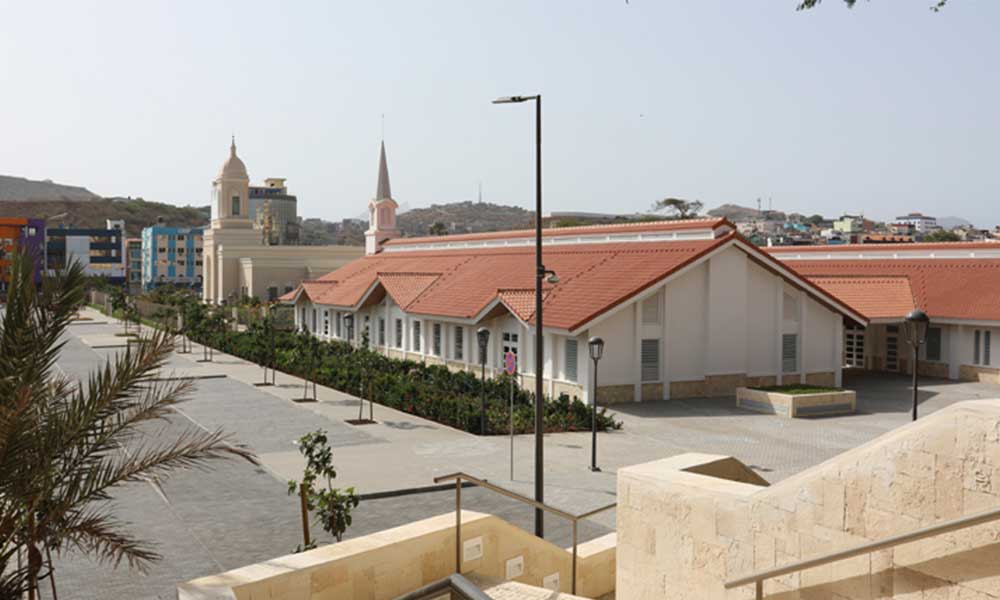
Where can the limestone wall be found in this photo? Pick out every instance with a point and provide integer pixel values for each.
(682, 534)
(390, 563)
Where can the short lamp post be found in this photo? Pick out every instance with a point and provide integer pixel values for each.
(596, 346)
(483, 335)
(349, 324)
(916, 335)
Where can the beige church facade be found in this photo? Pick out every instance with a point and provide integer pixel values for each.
(237, 262)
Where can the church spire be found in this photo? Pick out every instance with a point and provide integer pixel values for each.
(383, 190)
(232, 146)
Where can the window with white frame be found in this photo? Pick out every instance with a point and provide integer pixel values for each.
(570, 359)
(510, 344)
(789, 353)
(314, 320)
(649, 358)
(459, 343)
(651, 310)
(381, 331)
(436, 339)
(338, 324)
(854, 347)
(399, 334)
(981, 351)
(415, 346)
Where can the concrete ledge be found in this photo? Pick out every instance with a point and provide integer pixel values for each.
(797, 405)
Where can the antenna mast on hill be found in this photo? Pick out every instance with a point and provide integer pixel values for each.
(480, 191)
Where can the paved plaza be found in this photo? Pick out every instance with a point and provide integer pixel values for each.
(236, 513)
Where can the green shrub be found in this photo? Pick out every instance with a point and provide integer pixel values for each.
(430, 391)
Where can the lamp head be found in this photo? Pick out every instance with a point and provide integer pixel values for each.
(596, 346)
(510, 99)
(916, 326)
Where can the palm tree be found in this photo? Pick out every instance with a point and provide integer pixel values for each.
(66, 445)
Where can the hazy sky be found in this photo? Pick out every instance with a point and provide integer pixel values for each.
(885, 108)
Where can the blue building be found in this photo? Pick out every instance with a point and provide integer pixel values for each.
(171, 255)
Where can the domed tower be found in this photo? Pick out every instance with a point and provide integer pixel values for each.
(230, 194)
(381, 211)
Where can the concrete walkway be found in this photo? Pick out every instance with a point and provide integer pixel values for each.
(236, 514)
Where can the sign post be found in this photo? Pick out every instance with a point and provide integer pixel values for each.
(510, 367)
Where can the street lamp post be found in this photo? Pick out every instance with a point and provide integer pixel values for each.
(483, 335)
(539, 343)
(916, 334)
(596, 346)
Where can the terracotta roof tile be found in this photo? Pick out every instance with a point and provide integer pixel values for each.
(944, 288)
(874, 297)
(406, 287)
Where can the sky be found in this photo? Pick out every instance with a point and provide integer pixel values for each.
(883, 109)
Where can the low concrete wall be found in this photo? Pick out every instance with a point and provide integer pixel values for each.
(797, 405)
(977, 373)
(390, 563)
(683, 533)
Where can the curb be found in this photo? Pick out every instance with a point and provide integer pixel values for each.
(214, 376)
(413, 490)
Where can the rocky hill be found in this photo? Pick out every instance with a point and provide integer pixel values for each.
(737, 213)
(19, 189)
(437, 219)
(464, 217)
(136, 212)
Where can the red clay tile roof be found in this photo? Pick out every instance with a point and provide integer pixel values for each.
(406, 287)
(615, 228)
(944, 288)
(825, 248)
(874, 297)
(463, 283)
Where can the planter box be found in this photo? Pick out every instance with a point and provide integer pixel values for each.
(841, 402)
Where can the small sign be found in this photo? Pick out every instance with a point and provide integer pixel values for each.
(510, 363)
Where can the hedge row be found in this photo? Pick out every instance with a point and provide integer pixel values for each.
(430, 391)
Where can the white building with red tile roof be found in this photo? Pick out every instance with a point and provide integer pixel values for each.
(956, 283)
(686, 308)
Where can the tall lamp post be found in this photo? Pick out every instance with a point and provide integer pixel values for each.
(539, 343)
(483, 335)
(916, 334)
(596, 346)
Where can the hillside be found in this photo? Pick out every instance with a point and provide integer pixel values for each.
(19, 189)
(136, 212)
(737, 213)
(465, 217)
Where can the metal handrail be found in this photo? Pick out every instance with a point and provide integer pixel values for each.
(458, 586)
(573, 519)
(889, 542)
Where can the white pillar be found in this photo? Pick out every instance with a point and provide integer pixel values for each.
(838, 350)
(801, 353)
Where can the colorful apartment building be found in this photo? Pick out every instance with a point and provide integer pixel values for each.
(100, 251)
(171, 255)
(133, 264)
(17, 232)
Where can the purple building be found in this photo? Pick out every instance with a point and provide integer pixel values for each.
(20, 232)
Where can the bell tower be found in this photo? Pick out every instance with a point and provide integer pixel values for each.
(231, 194)
(381, 211)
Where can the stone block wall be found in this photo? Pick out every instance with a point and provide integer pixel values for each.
(977, 373)
(682, 533)
(390, 563)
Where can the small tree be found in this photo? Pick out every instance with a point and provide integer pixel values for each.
(438, 228)
(679, 209)
(119, 303)
(332, 506)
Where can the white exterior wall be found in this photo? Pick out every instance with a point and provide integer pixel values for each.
(617, 366)
(817, 344)
(686, 325)
(762, 324)
(727, 316)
